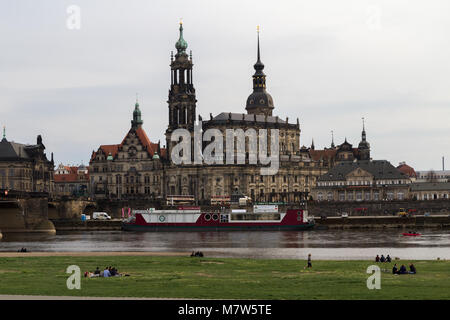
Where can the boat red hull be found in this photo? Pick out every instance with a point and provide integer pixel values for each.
(292, 220)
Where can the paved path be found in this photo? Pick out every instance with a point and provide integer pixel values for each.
(29, 297)
(92, 254)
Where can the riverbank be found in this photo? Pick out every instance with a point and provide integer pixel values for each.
(220, 278)
(380, 222)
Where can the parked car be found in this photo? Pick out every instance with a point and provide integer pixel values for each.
(101, 216)
(344, 215)
(402, 213)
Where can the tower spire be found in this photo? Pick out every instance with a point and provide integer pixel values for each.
(332, 139)
(257, 31)
(4, 132)
(259, 102)
(363, 133)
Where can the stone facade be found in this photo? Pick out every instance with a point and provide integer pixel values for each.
(363, 180)
(430, 190)
(140, 169)
(25, 168)
(72, 181)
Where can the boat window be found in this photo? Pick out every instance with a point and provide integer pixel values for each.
(215, 217)
(223, 218)
(207, 217)
(255, 216)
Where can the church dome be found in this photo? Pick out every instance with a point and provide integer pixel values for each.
(259, 99)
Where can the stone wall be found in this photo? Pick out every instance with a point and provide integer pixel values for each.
(25, 215)
(377, 208)
(69, 209)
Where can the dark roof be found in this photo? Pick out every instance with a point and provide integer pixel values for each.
(14, 150)
(224, 116)
(380, 169)
(430, 186)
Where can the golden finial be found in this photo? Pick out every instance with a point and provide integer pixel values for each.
(257, 28)
(181, 20)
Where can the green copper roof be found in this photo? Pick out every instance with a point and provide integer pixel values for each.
(181, 44)
(110, 157)
(156, 156)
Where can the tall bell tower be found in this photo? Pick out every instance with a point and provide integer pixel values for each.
(182, 93)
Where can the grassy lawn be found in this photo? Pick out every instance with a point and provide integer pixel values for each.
(222, 278)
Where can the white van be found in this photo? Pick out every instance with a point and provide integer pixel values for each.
(101, 216)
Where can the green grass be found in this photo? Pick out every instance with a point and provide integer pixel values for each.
(222, 278)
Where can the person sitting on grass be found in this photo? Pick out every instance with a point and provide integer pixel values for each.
(382, 259)
(395, 269)
(377, 259)
(97, 271)
(402, 269)
(412, 269)
(106, 273)
(113, 272)
(388, 259)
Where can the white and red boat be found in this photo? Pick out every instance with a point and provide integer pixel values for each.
(194, 219)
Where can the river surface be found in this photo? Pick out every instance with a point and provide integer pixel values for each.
(322, 244)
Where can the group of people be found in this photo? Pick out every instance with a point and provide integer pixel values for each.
(106, 273)
(197, 254)
(395, 269)
(383, 259)
(402, 270)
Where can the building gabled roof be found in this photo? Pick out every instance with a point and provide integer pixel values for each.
(380, 169)
(114, 148)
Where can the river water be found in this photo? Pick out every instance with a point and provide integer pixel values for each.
(322, 244)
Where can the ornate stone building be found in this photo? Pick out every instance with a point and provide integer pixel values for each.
(131, 169)
(72, 181)
(138, 168)
(25, 168)
(362, 180)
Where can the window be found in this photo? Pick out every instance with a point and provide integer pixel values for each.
(367, 196)
(400, 195)
(319, 196)
(330, 196)
(350, 196)
(390, 195)
(341, 196)
(359, 196)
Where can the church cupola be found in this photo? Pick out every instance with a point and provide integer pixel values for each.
(181, 45)
(259, 102)
(364, 146)
(137, 121)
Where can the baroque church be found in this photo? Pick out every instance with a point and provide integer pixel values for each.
(140, 169)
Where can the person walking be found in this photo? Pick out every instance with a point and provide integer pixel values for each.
(309, 262)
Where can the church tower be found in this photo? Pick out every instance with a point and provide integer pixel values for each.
(182, 93)
(137, 120)
(259, 102)
(364, 146)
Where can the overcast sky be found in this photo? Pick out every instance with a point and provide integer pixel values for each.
(329, 63)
